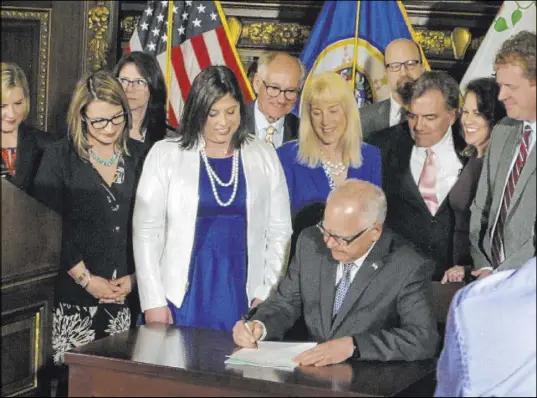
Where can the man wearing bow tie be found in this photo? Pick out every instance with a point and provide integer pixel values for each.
(364, 293)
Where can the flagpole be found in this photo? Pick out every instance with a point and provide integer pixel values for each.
(222, 16)
(169, 55)
(355, 54)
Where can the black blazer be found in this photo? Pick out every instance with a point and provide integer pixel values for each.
(291, 123)
(407, 213)
(31, 143)
(93, 232)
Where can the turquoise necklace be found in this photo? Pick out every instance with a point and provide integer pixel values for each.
(106, 163)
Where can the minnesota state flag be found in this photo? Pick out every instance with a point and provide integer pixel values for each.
(368, 26)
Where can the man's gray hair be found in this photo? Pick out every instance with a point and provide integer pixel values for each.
(266, 57)
(374, 211)
(428, 81)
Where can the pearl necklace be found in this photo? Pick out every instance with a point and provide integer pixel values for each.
(332, 169)
(213, 177)
(335, 168)
(105, 163)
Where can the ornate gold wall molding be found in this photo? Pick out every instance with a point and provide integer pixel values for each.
(98, 20)
(454, 43)
(275, 34)
(42, 16)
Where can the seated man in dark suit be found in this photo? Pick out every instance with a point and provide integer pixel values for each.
(403, 63)
(277, 84)
(421, 164)
(364, 293)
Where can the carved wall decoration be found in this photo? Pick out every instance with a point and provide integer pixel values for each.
(446, 43)
(98, 19)
(38, 67)
(275, 35)
(127, 26)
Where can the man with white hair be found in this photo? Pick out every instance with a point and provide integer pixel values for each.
(277, 84)
(364, 293)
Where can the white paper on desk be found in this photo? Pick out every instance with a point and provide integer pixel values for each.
(270, 354)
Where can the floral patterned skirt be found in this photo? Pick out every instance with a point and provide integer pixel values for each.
(74, 326)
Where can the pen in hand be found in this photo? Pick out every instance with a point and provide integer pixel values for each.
(245, 320)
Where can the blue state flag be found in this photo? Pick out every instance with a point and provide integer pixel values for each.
(367, 25)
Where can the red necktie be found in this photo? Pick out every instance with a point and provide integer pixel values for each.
(427, 182)
(498, 255)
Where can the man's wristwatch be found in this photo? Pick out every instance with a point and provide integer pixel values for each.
(356, 351)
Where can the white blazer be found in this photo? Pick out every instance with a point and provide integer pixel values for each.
(165, 214)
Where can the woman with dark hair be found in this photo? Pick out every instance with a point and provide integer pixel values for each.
(480, 113)
(211, 221)
(141, 77)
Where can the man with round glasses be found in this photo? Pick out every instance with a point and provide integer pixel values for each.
(364, 292)
(277, 84)
(403, 63)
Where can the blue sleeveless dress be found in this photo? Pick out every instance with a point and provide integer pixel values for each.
(216, 296)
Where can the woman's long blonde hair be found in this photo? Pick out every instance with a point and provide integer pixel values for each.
(101, 86)
(330, 87)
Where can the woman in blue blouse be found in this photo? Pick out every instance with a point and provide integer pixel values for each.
(330, 148)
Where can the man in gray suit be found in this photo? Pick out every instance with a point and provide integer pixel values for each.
(364, 293)
(503, 212)
(403, 63)
(277, 84)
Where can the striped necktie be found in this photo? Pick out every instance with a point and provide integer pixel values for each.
(270, 133)
(342, 288)
(427, 182)
(498, 254)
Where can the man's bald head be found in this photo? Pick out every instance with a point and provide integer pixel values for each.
(355, 212)
(398, 52)
(357, 201)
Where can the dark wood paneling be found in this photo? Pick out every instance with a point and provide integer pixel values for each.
(30, 260)
(66, 51)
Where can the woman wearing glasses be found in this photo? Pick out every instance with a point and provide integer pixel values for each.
(89, 178)
(141, 77)
(211, 221)
(329, 149)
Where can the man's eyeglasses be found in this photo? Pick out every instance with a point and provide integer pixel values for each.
(340, 240)
(137, 84)
(409, 65)
(101, 123)
(290, 94)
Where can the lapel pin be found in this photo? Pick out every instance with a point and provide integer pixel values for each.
(375, 266)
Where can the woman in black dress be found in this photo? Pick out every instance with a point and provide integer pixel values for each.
(90, 178)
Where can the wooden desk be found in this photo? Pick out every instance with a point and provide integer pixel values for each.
(162, 360)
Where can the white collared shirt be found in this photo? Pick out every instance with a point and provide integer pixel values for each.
(517, 151)
(261, 125)
(355, 267)
(448, 165)
(395, 112)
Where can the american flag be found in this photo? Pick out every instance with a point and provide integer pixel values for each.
(198, 40)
